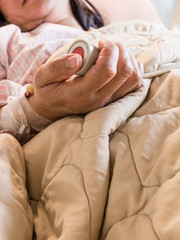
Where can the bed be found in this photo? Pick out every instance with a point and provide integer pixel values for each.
(114, 173)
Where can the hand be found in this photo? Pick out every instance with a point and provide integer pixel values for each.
(59, 93)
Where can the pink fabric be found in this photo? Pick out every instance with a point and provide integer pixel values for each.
(22, 53)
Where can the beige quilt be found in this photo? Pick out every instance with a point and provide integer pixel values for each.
(114, 174)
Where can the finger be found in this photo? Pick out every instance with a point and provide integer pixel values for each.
(130, 78)
(132, 84)
(141, 67)
(124, 70)
(138, 66)
(104, 69)
(58, 70)
(134, 61)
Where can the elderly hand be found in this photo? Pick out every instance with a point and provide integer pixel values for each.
(59, 93)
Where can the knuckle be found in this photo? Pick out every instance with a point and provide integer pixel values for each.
(125, 72)
(110, 45)
(128, 71)
(126, 64)
(138, 81)
(137, 75)
(109, 72)
(112, 48)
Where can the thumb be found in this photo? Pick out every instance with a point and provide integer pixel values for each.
(58, 70)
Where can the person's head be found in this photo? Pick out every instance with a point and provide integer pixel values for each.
(28, 14)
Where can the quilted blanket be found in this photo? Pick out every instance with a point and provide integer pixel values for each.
(114, 174)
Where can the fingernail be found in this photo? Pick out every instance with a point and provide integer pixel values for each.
(73, 61)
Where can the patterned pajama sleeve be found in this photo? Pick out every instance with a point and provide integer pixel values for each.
(22, 53)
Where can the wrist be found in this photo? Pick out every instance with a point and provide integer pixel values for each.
(52, 112)
(35, 120)
(39, 108)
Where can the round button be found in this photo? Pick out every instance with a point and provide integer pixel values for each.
(79, 50)
(88, 52)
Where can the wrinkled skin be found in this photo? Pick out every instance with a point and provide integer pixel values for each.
(60, 93)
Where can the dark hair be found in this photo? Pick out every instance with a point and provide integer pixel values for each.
(86, 14)
(2, 20)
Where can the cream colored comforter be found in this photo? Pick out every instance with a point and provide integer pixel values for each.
(115, 173)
